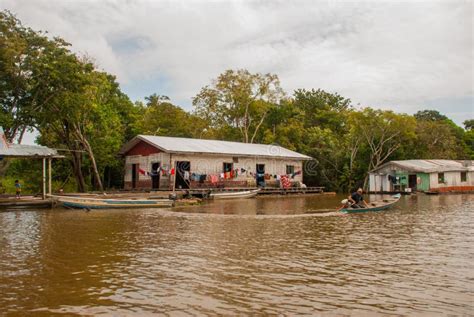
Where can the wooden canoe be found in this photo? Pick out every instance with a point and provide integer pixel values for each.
(98, 203)
(377, 205)
(235, 195)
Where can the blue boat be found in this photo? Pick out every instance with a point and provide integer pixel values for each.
(377, 205)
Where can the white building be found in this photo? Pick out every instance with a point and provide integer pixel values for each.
(158, 162)
(423, 175)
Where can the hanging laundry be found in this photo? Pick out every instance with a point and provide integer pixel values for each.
(172, 171)
(214, 179)
(143, 172)
(221, 175)
(285, 181)
(186, 175)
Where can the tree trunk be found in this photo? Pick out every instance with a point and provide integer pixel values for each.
(89, 151)
(76, 165)
(88, 148)
(4, 164)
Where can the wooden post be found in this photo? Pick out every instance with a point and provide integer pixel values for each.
(173, 177)
(44, 178)
(49, 177)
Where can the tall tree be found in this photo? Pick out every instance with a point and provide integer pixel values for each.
(22, 52)
(161, 117)
(322, 109)
(383, 133)
(239, 99)
(430, 115)
(469, 124)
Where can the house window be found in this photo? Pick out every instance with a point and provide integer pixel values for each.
(463, 177)
(228, 167)
(440, 178)
(290, 169)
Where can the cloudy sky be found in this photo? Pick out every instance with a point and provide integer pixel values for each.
(404, 56)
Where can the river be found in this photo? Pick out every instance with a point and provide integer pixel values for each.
(263, 256)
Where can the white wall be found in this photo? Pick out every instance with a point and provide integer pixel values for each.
(211, 164)
(451, 179)
(379, 183)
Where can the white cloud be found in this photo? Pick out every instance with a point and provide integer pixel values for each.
(395, 55)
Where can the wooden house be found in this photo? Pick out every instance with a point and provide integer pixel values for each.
(158, 162)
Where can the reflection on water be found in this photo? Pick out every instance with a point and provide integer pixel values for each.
(263, 259)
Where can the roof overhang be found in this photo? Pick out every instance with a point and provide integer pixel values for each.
(415, 169)
(133, 142)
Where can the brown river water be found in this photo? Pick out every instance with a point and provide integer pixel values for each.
(263, 256)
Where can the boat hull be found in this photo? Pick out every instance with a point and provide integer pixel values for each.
(394, 199)
(235, 195)
(94, 203)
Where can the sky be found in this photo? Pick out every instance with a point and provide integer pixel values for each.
(403, 56)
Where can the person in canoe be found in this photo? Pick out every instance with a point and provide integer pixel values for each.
(357, 200)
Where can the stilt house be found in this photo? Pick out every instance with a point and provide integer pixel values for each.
(423, 175)
(158, 162)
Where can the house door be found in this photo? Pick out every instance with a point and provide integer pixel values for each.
(412, 181)
(134, 175)
(155, 175)
(182, 169)
(260, 169)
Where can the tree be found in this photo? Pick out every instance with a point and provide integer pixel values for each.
(16, 54)
(430, 115)
(436, 140)
(383, 132)
(89, 119)
(161, 117)
(469, 124)
(240, 100)
(322, 109)
(468, 138)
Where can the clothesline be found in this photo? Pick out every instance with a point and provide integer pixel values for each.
(214, 177)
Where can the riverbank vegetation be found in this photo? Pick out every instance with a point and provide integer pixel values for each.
(81, 110)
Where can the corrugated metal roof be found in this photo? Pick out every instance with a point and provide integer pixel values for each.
(188, 145)
(20, 150)
(432, 166)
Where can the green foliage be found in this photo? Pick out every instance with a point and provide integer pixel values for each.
(161, 117)
(240, 100)
(429, 115)
(29, 173)
(469, 124)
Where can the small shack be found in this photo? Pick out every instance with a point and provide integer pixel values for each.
(423, 175)
(158, 162)
(9, 150)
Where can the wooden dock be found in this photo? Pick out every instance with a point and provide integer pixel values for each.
(203, 192)
(24, 203)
